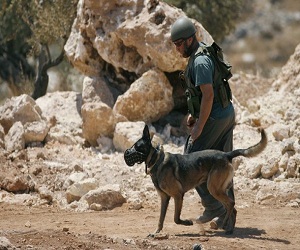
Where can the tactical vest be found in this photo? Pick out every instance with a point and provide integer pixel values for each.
(222, 74)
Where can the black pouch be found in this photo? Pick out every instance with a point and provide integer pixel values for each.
(193, 103)
(223, 96)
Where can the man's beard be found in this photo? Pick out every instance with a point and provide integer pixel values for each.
(188, 50)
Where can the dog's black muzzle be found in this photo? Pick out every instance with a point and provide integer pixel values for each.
(131, 156)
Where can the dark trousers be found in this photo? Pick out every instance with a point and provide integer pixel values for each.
(216, 134)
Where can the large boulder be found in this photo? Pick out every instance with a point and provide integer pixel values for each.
(104, 46)
(95, 89)
(130, 35)
(148, 98)
(98, 120)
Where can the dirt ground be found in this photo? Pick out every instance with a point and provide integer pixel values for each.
(46, 227)
(272, 224)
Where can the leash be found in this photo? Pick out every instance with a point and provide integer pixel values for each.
(187, 146)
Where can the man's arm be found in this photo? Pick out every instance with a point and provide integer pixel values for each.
(205, 109)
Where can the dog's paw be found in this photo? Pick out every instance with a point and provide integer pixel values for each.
(150, 235)
(158, 236)
(161, 236)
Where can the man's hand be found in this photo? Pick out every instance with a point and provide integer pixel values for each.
(190, 121)
(193, 127)
(196, 131)
(205, 109)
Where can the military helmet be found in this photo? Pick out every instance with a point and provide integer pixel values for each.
(183, 28)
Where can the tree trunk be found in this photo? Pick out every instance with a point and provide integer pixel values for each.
(41, 82)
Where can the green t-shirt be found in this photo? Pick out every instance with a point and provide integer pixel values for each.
(202, 72)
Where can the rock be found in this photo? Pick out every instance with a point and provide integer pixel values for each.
(78, 189)
(32, 125)
(287, 146)
(95, 89)
(35, 131)
(270, 168)
(15, 140)
(65, 109)
(45, 193)
(74, 178)
(105, 144)
(17, 184)
(5, 244)
(283, 161)
(147, 99)
(108, 197)
(115, 41)
(98, 120)
(2, 144)
(96, 207)
(293, 167)
(19, 109)
(281, 132)
(126, 134)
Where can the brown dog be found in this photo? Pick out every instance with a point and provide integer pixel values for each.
(175, 174)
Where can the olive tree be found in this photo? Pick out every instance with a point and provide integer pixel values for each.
(14, 68)
(39, 24)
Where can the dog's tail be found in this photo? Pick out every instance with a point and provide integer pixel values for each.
(251, 151)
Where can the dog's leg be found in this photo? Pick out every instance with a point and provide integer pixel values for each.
(164, 203)
(217, 184)
(178, 200)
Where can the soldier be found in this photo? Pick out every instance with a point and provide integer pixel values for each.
(211, 117)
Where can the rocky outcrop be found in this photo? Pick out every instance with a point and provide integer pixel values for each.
(279, 111)
(130, 35)
(148, 99)
(105, 34)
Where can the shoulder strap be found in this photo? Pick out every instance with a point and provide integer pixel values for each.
(202, 50)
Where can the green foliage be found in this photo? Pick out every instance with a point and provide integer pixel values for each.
(218, 17)
(49, 20)
(17, 35)
(32, 26)
(36, 22)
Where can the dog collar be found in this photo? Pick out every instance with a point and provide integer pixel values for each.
(152, 159)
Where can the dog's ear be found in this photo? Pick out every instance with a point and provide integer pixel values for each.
(146, 133)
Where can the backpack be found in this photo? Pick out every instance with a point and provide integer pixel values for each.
(220, 80)
(216, 54)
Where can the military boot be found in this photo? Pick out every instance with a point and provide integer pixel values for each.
(213, 208)
(217, 222)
